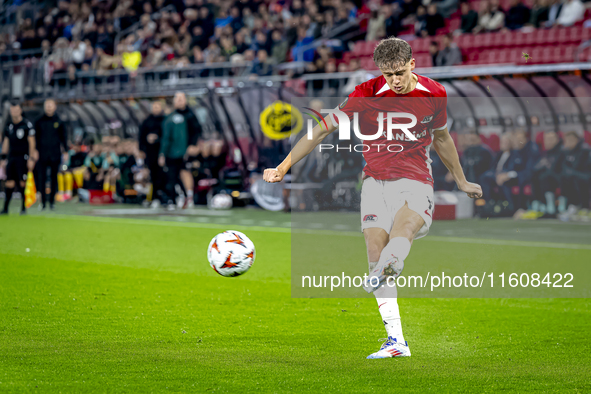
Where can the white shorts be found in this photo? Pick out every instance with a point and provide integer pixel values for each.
(381, 200)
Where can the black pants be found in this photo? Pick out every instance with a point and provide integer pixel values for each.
(172, 170)
(42, 166)
(542, 182)
(157, 178)
(576, 189)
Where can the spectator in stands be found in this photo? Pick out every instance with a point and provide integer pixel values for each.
(469, 18)
(572, 12)
(433, 20)
(450, 55)
(517, 15)
(376, 27)
(476, 159)
(421, 22)
(434, 52)
(394, 21)
(279, 47)
(262, 66)
(545, 176)
(575, 172)
(409, 7)
(539, 13)
(554, 11)
(298, 53)
(447, 7)
(490, 18)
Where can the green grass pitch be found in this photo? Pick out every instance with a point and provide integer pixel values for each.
(125, 305)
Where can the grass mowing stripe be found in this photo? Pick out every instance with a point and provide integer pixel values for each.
(481, 241)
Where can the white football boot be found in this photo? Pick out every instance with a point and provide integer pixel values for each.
(390, 349)
(392, 267)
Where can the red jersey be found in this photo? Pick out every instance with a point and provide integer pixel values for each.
(378, 108)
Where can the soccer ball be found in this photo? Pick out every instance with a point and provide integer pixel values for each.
(231, 253)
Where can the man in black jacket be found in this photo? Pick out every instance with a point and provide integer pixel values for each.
(51, 142)
(575, 172)
(149, 143)
(545, 177)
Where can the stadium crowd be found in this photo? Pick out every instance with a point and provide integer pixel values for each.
(107, 35)
(546, 177)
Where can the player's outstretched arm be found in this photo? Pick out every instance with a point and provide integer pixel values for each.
(444, 145)
(299, 151)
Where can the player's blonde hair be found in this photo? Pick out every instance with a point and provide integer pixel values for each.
(392, 53)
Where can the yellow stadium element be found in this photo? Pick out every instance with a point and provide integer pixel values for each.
(131, 60)
(79, 177)
(281, 120)
(30, 191)
(60, 182)
(69, 184)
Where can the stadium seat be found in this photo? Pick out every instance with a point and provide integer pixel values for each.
(420, 45)
(494, 142)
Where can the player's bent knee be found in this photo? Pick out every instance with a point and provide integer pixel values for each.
(10, 184)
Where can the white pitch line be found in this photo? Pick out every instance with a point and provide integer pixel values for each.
(284, 230)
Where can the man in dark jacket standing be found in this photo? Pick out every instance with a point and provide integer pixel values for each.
(51, 142)
(149, 143)
(180, 131)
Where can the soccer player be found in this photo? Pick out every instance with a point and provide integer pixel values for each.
(19, 148)
(397, 192)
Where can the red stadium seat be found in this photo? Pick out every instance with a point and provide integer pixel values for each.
(420, 45)
(494, 142)
(588, 137)
(540, 140)
(454, 24)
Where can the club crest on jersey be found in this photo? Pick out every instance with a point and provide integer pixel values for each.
(427, 119)
(370, 218)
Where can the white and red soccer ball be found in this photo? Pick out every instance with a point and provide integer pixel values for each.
(231, 253)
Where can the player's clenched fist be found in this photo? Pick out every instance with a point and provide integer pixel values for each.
(272, 175)
(473, 190)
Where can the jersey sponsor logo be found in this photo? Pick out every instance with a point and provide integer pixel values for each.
(370, 218)
(427, 119)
